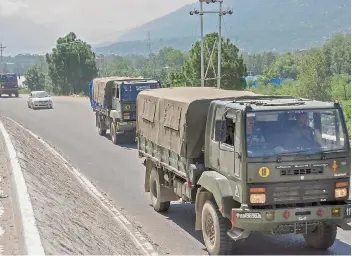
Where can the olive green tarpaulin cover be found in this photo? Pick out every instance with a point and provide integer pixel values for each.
(175, 118)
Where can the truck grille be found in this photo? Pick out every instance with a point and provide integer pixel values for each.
(303, 192)
(302, 171)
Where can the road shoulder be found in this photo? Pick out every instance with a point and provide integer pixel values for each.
(8, 230)
(69, 219)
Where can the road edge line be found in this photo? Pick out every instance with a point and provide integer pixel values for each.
(140, 241)
(29, 239)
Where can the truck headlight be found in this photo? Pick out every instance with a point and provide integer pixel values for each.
(257, 195)
(340, 192)
(257, 198)
(341, 189)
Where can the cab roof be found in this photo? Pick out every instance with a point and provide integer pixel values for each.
(264, 102)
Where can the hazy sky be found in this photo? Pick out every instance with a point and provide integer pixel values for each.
(82, 16)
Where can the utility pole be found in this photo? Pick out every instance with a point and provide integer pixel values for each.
(149, 45)
(221, 13)
(2, 48)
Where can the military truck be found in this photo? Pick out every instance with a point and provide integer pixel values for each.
(9, 84)
(248, 162)
(115, 105)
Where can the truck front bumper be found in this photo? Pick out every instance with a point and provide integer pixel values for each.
(126, 127)
(291, 220)
(8, 91)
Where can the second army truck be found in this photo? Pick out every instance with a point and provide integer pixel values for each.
(114, 101)
(249, 163)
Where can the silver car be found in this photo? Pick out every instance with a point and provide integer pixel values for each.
(39, 99)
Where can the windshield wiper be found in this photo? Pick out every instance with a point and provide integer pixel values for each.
(296, 153)
(326, 152)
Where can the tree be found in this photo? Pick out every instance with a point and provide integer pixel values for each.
(314, 80)
(35, 80)
(233, 68)
(258, 62)
(71, 65)
(283, 67)
(337, 53)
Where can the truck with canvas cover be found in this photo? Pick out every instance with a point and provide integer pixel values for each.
(249, 163)
(9, 84)
(114, 101)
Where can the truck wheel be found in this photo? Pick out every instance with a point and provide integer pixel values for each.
(113, 132)
(214, 229)
(101, 132)
(154, 185)
(16, 94)
(323, 237)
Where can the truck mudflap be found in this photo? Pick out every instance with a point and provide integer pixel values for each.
(291, 220)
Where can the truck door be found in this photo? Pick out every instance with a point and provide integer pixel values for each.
(115, 97)
(227, 155)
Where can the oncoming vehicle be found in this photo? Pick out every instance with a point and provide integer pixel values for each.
(114, 101)
(9, 84)
(248, 162)
(39, 99)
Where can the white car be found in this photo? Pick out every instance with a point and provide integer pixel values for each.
(39, 99)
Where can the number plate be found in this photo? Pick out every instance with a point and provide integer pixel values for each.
(249, 215)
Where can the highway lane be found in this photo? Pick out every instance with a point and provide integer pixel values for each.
(118, 172)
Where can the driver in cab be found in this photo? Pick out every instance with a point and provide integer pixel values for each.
(302, 133)
(254, 136)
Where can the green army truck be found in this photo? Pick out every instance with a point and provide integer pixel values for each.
(114, 101)
(248, 162)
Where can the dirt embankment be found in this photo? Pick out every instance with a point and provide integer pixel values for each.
(69, 219)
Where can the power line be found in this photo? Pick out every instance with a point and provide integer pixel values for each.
(221, 13)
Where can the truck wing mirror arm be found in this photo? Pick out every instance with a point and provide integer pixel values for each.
(238, 155)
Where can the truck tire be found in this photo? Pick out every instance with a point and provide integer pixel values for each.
(16, 94)
(113, 132)
(323, 237)
(154, 185)
(214, 229)
(101, 132)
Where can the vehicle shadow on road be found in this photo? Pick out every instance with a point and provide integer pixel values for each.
(256, 244)
(127, 146)
(10, 97)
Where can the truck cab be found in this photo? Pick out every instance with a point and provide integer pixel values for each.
(278, 165)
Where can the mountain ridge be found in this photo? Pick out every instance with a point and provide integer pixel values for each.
(283, 25)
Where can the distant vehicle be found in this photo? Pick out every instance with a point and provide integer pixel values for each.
(39, 99)
(9, 84)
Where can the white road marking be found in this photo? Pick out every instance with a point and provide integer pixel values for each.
(32, 242)
(140, 241)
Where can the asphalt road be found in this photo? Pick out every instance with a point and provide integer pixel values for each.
(118, 172)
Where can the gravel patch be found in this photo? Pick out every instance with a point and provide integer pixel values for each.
(8, 234)
(69, 219)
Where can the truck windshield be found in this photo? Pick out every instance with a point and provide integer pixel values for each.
(8, 78)
(129, 92)
(272, 133)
